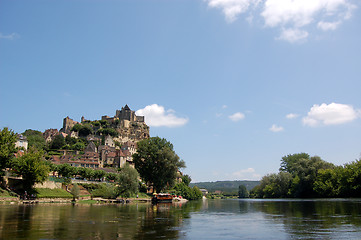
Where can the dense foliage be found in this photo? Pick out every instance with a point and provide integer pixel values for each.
(105, 190)
(243, 192)
(183, 189)
(35, 139)
(187, 192)
(157, 162)
(128, 182)
(303, 176)
(31, 167)
(7, 148)
(342, 181)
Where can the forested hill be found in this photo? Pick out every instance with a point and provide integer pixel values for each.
(225, 186)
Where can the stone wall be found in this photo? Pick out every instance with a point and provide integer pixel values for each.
(48, 184)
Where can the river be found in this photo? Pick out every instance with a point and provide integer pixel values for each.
(208, 219)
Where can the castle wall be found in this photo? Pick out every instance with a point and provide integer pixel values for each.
(68, 124)
(140, 118)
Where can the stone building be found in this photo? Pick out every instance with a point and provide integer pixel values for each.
(21, 142)
(68, 124)
(109, 141)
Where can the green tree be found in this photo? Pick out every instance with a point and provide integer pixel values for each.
(90, 173)
(328, 182)
(186, 179)
(78, 146)
(128, 182)
(75, 191)
(288, 162)
(99, 174)
(108, 131)
(305, 173)
(76, 127)
(105, 191)
(7, 148)
(70, 140)
(32, 168)
(157, 162)
(66, 171)
(82, 172)
(35, 139)
(304, 170)
(243, 192)
(58, 142)
(187, 192)
(104, 123)
(197, 193)
(111, 177)
(85, 130)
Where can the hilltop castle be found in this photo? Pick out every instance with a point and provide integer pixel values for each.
(129, 126)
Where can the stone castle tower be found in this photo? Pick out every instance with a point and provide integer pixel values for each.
(127, 114)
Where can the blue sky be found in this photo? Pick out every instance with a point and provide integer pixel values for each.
(233, 84)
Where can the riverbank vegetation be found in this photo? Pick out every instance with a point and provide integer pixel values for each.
(183, 189)
(303, 176)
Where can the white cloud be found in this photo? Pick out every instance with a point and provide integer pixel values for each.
(232, 8)
(156, 116)
(291, 116)
(293, 35)
(246, 174)
(293, 17)
(330, 114)
(326, 26)
(10, 36)
(276, 128)
(237, 116)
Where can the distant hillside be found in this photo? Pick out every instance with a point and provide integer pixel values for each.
(225, 186)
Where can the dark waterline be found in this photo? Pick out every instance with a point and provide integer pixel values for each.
(209, 219)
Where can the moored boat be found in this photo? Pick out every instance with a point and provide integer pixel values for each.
(162, 198)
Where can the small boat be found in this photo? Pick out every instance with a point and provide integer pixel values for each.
(162, 198)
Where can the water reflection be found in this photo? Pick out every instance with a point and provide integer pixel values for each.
(317, 218)
(212, 219)
(131, 221)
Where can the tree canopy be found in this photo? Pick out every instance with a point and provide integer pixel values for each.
(31, 167)
(35, 139)
(243, 192)
(128, 182)
(7, 148)
(58, 142)
(157, 162)
(297, 176)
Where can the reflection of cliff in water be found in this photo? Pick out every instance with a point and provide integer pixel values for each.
(312, 217)
(64, 221)
(52, 221)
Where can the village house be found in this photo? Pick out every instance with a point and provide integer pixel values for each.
(21, 142)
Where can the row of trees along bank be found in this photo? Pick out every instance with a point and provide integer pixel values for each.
(302, 176)
(156, 163)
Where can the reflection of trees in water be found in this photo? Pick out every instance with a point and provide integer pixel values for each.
(165, 219)
(15, 217)
(309, 217)
(64, 221)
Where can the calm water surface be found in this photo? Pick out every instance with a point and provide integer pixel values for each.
(209, 219)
